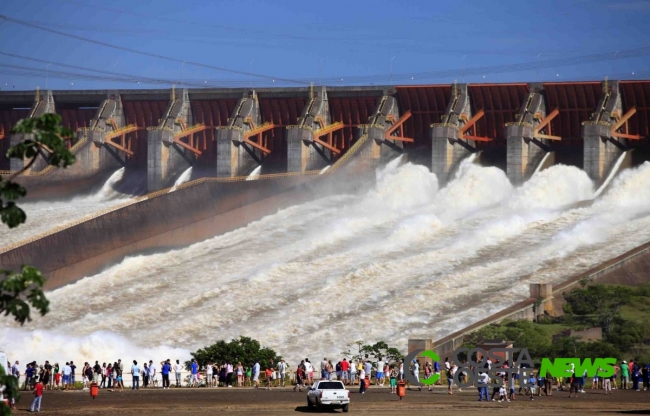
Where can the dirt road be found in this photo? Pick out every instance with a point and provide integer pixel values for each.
(376, 401)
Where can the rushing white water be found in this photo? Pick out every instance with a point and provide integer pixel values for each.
(405, 259)
(541, 162)
(612, 174)
(185, 176)
(324, 169)
(255, 174)
(45, 215)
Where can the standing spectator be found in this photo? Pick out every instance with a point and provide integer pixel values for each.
(323, 369)
(97, 372)
(379, 378)
(229, 371)
(269, 377)
(135, 372)
(177, 372)
(67, 370)
(300, 374)
(436, 370)
(282, 368)
(102, 385)
(353, 372)
(624, 374)
(109, 375)
(362, 380)
(57, 376)
(38, 396)
(194, 370)
(345, 371)
(47, 375)
(73, 378)
(119, 382)
(29, 375)
(256, 374)
(645, 372)
(330, 370)
(145, 375)
(209, 371)
(607, 384)
(393, 380)
(166, 369)
(427, 372)
(240, 375)
(309, 370)
(636, 375)
(338, 370)
(483, 380)
(416, 371)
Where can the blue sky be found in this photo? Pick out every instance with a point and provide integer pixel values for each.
(316, 41)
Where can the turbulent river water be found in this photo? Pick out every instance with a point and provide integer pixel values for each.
(405, 259)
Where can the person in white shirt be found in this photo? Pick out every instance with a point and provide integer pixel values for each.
(400, 374)
(353, 372)
(362, 380)
(256, 374)
(282, 368)
(309, 369)
(152, 374)
(177, 371)
(380, 373)
(135, 372)
(67, 371)
(208, 374)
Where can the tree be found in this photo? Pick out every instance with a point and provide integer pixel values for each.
(359, 351)
(244, 350)
(19, 290)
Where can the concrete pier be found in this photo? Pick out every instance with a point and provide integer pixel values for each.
(602, 147)
(237, 154)
(526, 145)
(43, 104)
(449, 147)
(305, 151)
(167, 157)
(387, 115)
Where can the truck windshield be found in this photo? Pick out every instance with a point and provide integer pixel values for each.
(330, 385)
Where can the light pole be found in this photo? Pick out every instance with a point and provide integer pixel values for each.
(46, 66)
(250, 73)
(538, 55)
(390, 71)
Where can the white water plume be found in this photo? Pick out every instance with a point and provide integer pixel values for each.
(404, 259)
(612, 174)
(185, 176)
(45, 215)
(255, 174)
(324, 169)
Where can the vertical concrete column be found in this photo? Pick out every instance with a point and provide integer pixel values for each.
(544, 292)
(447, 149)
(601, 150)
(382, 149)
(303, 153)
(165, 158)
(235, 157)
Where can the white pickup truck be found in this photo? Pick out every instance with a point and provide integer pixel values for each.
(329, 394)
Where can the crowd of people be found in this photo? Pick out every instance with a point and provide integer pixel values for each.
(361, 372)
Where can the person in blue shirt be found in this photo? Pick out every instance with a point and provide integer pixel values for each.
(531, 386)
(166, 369)
(194, 369)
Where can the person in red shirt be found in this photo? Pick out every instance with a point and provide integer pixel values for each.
(38, 395)
(345, 366)
(269, 377)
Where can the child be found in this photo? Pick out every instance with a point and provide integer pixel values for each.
(269, 378)
(531, 388)
(502, 393)
(38, 395)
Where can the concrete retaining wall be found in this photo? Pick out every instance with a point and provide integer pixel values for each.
(632, 267)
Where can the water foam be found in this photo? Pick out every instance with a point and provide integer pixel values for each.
(413, 260)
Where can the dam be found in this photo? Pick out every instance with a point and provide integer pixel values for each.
(393, 211)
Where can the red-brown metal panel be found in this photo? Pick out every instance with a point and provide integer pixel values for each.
(500, 104)
(637, 94)
(351, 111)
(576, 102)
(8, 119)
(76, 118)
(427, 105)
(143, 114)
(282, 112)
(211, 113)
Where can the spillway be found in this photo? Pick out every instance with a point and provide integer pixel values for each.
(45, 215)
(404, 259)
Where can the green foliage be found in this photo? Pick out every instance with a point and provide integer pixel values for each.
(45, 136)
(596, 299)
(359, 351)
(245, 350)
(11, 390)
(19, 290)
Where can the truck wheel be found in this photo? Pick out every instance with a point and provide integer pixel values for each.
(310, 405)
(346, 408)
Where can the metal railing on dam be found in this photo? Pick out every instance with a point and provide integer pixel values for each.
(167, 219)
